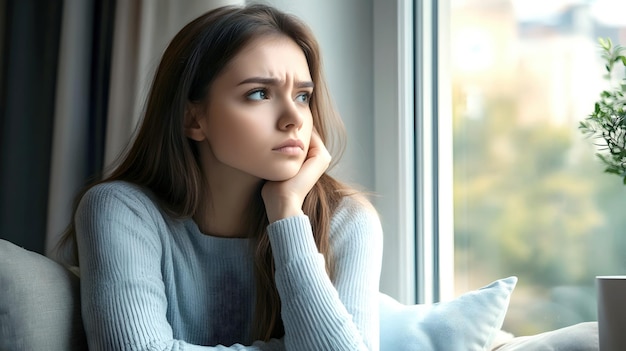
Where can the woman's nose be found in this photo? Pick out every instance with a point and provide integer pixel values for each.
(290, 116)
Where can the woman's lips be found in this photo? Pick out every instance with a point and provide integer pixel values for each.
(290, 147)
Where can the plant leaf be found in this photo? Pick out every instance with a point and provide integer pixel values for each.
(607, 123)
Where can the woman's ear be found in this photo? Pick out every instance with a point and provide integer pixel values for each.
(192, 124)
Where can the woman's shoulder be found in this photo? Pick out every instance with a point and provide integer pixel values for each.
(355, 213)
(118, 194)
(355, 204)
(118, 189)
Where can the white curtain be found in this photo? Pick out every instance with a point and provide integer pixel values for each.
(143, 28)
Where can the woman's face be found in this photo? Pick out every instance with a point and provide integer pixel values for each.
(258, 119)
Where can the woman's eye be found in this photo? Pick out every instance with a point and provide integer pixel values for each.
(303, 98)
(257, 95)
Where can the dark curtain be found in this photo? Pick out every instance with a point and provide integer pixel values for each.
(30, 37)
(104, 14)
(30, 50)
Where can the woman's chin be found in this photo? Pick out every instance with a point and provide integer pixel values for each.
(282, 175)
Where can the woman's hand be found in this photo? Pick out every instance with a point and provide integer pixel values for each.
(285, 198)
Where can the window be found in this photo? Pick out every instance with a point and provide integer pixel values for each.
(530, 198)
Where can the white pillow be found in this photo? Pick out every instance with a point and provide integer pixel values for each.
(467, 323)
(578, 337)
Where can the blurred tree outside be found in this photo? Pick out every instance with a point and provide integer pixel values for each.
(530, 197)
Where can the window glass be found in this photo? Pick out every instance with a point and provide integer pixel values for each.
(530, 196)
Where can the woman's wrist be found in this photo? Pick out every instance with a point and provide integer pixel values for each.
(278, 214)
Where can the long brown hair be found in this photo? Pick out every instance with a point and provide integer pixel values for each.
(164, 161)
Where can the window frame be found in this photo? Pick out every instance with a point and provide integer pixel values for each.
(433, 149)
(414, 173)
(394, 139)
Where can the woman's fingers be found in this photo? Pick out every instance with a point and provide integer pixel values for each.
(285, 198)
(317, 161)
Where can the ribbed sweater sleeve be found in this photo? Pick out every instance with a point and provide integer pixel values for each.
(320, 314)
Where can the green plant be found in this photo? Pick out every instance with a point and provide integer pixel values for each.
(607, 123)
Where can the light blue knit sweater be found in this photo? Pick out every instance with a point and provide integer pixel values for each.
(151, 282)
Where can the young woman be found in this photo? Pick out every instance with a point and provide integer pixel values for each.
(220, 228)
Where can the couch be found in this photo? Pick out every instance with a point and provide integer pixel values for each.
(40, 310)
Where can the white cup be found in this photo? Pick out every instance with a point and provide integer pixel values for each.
(611, 312)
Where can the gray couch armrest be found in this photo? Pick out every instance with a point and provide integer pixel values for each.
(39, 303)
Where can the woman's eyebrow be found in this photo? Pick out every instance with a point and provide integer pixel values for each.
(276, 82)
